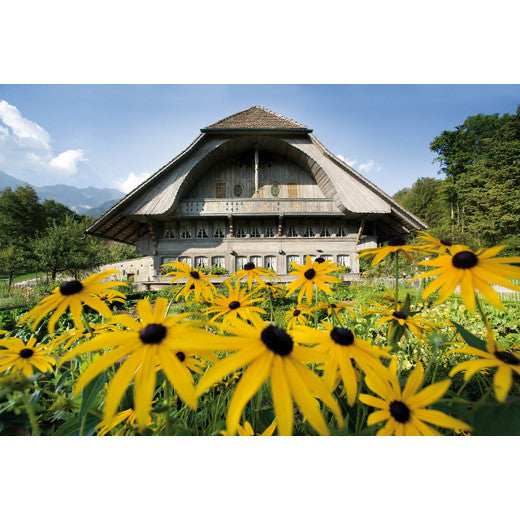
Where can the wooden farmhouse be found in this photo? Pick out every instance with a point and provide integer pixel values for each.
(255, 186)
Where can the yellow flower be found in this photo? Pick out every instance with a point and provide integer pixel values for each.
(495, 356)
(144, 346)
(126, 415)
(237, 304)
(471, 271)
(342, 348)
(297, 315)
(197, 283)
(309, 275)
(408, 322)
(336, 308)
(273, 290)
(74, 294)
(429, 244)
(247, 430)
(271, 353)
(405, 410)
(23, 357)
(253, 273)
(3, 331)
(394, 245)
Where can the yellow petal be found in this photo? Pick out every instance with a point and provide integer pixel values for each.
(441, 419)
(502, 382)
(282, 400)
(429, 395)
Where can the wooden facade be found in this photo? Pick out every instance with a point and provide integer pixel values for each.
(258, 187)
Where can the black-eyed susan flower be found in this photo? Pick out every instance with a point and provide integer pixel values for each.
(197, 283)
(309, 275)
(237, 304)
(429, 244)
(253, 273)
(402, 321)
(247, 430)
(73, 295)
(298, 315)
(271, 289)
(394, 245)
(145, 345)
(506, 362)
(336, 309)
(404, 410)
(471, 271)
(23, 357)
(342, 348)
(269, 352)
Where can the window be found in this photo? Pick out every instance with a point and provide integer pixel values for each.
(218, 230)
(238, 190)
(292, 189)
(341, 232)
(241, 232)
(270, 262)
(255, 233)
(309, 232)
(185, 231)
(202, 230)
(344, 260)
(186, 259)
(218, 261)
(292, 258)
(240, 262)
(168, 259)
(291, 231)
(169, 233)
(275, 189)
(201, 261)
(257, 260)
(269, 232)
(220, 190)
(327, 257)
(324, 231)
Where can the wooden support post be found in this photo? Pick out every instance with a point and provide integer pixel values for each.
(360, 232)
(280, 223)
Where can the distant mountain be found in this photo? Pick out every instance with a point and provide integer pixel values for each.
(89, 201)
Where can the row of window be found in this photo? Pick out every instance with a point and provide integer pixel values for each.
(220, 229)
(268, 261)
(239, 189)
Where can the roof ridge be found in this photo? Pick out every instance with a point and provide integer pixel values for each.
(256, 117)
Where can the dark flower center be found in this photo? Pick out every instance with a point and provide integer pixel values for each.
(234, 305)
(195, 274)
(70, 288)
(319, 260)
(333, 305)
(309, 274)
(26, 353)
(446, 243)
(396, 241)
(399, 314)
(507, 357)
(343, 337)
(181, 356)
(296, 312)
(277, 340)
(249, 266)
(464, 260)
(399, 411)
(153, 333)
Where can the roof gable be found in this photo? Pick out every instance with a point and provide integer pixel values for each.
(256, 118)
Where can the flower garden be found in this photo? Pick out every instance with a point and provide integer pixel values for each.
(255, 357)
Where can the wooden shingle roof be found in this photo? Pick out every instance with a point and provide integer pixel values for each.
(256, 118)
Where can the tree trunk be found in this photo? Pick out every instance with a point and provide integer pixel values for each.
(9, 285)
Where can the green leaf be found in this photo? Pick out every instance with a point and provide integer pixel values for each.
(469, 338)
(73, 425)
(497, 419)
(90, 392)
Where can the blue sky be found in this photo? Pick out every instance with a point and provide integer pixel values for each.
(116, 135)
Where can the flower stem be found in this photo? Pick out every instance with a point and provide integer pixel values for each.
(168, 395)
(30, 413)
(396, 280)
(481, 310)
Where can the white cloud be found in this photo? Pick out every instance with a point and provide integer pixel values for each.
(21, 127)
(26, 151)
(131, 181)
(369, 166)
(350, 162)
(66, 163)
